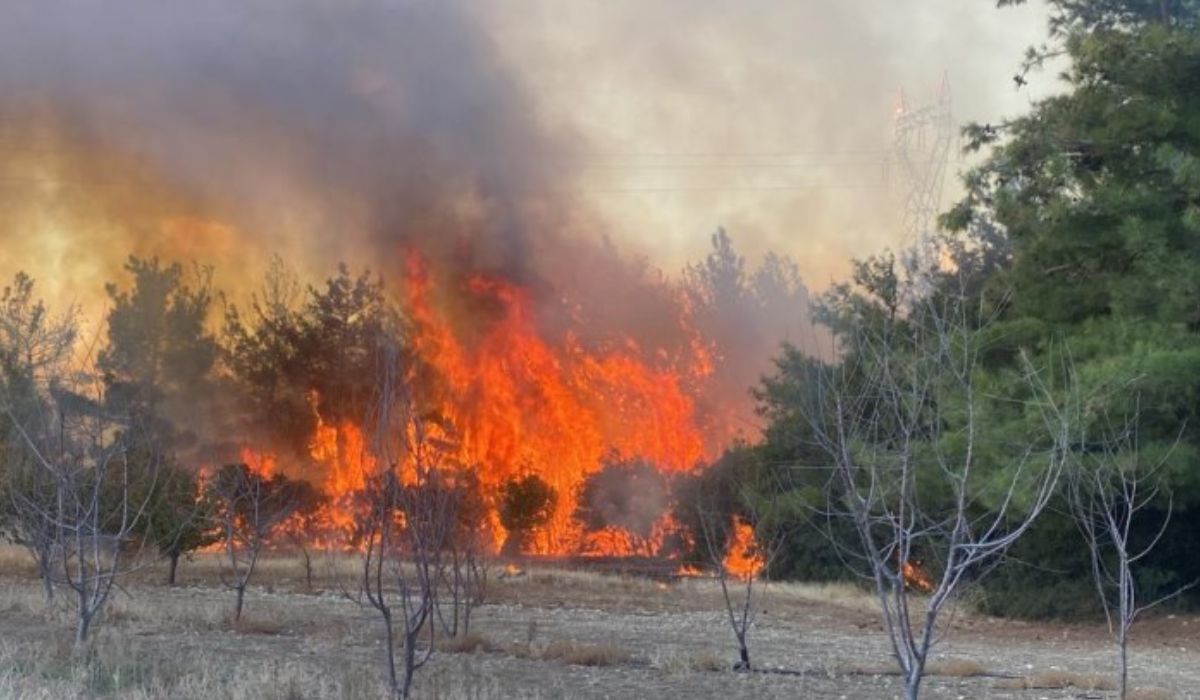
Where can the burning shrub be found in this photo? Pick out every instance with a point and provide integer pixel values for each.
(526, 503)
(708, 501)
(631, 495)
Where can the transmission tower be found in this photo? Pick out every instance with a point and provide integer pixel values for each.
(920, 151)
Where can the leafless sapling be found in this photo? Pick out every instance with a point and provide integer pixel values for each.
(1114, 489)
(408, 523)
(35, 353)
(900, 418)
(739, 553)
(250, 507)
(86, 454)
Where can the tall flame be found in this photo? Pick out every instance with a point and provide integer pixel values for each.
(520, 404)
(743, 559)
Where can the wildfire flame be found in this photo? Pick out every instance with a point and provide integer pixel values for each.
(518, 401)
(915, 577)
(521, 403)
(743, 559)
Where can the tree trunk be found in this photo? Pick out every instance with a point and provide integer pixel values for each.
(47, 584)
(81, 630)
(744, 664)
(912, 684)
(389, 643)
(1124, 669)
(307, 569)
(174, 565)
(241, 597)
(410, 662)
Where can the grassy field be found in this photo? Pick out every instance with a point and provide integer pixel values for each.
(545, 633)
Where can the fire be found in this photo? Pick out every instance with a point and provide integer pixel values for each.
(521, 402)
(743, 559)
(511, 398)
(915, 577)
(342, 451)
(264, 464)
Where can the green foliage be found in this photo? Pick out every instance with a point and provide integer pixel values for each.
(526, 503)
(1047, 575)
(159, 362)
(179, 518)
(296, 348)
(1098, 191)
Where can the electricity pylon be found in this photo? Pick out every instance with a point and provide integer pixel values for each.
(920, 151)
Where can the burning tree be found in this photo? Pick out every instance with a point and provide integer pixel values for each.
(526, 504)
(627, 497)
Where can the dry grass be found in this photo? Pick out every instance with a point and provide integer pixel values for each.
(16, 560)
(21, 598)
(945, 668)
(956, 668)
(841, 594)
(703, 661)
(159, 642)
(469, 643)
(256, 624)
(586, 654)
(1150, 694)
(116, 666)
(1057, 679)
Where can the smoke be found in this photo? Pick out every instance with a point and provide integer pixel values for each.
(517, 139)
(326, 130)
(771, 119)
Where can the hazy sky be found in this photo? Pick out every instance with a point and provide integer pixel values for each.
(770, 118)
(226, 131)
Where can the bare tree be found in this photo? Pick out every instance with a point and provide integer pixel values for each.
(30, 497)
(250, 507)
(901, 420)
(739, 554)
(99, 493)
(1113, 490)
(35, 350)
(408, 523)
(465, 571)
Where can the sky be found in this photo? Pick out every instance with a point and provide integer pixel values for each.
(772, 119)
(226, 132)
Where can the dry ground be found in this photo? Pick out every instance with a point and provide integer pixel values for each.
(544, 634)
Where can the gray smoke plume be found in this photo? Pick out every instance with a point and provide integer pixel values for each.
(328, 130)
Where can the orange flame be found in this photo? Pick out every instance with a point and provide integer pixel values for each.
(915, 577)
(521, 404)
(512, 399)
(743, 559)
(264, 464)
